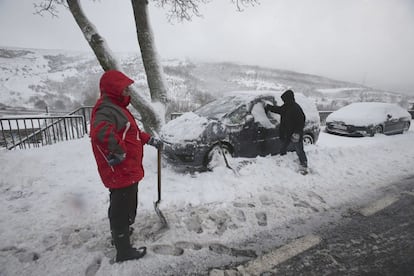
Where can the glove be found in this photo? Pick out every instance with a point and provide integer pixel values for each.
(155, 142)
(295, 137)
(115, 158)
(268, 107)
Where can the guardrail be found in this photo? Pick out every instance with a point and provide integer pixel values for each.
(34, 131)
(30, 132)
(84, 111)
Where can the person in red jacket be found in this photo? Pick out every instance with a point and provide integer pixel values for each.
(117, 145)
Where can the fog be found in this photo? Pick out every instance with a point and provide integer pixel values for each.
(363, 41)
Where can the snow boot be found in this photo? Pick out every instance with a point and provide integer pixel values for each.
(303, 169)
(131, 230)
(124, 250)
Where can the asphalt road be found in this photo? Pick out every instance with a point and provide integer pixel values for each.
(380, 244)
(376, 240)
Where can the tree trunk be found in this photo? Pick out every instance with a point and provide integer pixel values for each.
(153, 69)
(150, 120)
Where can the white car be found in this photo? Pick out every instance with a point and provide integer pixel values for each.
(367, 119)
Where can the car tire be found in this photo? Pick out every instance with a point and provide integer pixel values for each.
(214, 157)
(308, 139)
(406, 127)
(377, 130)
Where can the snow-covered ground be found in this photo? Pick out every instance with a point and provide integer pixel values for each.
(54, 207)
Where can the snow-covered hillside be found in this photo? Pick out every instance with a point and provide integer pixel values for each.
(63, 80)
(54, 206)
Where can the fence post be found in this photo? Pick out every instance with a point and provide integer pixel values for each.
(84, 120)
(3, 134)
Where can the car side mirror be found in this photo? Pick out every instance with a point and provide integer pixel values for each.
(389, 116)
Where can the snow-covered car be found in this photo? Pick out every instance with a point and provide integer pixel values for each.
(367, 119)
(236, 125)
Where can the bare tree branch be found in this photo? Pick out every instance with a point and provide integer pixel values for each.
(181, 10)
(49, 6)
(184, 10)
(243, 3)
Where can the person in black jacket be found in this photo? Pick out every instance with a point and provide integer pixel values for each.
(292, 122)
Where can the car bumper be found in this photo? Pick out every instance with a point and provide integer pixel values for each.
(185, 157)
(352, 132)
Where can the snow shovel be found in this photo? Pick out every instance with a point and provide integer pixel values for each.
(156, 203)
(226, 161)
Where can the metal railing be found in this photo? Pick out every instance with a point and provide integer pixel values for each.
(35, 131)
(84, 111)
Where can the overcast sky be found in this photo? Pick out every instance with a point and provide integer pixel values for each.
(363, 41)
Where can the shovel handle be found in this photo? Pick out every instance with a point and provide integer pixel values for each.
(159, 173)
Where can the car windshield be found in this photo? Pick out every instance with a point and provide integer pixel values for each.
(220, 107)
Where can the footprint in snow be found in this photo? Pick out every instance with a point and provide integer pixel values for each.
(93, 267)
(243, 205)
(261, 218)
(223, 221)
(219, 248)
(167, 250)
(317, 196)
(240, 216)
(188, 245)
(193, 224)
(304, 204)
(265, 200)
(21, 254)
(222, 249)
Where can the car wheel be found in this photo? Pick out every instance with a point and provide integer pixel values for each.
(308, 139)
(376, 130)
(406, 126)
(215, 156)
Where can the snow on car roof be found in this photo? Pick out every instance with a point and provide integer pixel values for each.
(367, 113)
(308, 106)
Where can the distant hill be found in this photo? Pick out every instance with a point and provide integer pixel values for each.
(63, 80)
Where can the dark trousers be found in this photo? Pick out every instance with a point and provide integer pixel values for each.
(122, 207)
(298, 148)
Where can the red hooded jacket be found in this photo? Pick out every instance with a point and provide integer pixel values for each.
(114, 131)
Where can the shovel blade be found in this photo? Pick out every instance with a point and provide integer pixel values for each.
(160, 215)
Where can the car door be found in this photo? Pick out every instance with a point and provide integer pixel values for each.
(392, 123)
(267, 127)
(242, 132)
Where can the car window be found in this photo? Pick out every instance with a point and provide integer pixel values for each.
(238, 116)
(218, 108)
(260, 116)
(274, 118)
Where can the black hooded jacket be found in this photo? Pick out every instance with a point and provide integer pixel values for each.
(292, 118)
